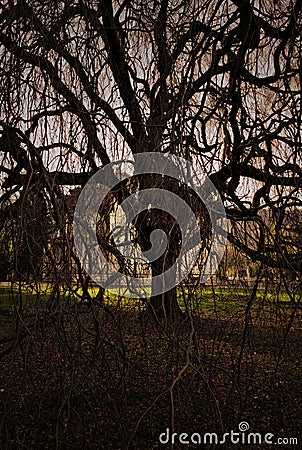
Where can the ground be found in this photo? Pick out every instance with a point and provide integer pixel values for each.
(110, 377)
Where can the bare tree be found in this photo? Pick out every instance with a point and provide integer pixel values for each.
(84, 83)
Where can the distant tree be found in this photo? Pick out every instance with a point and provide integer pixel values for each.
(25, 234)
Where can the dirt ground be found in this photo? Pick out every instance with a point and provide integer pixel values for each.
(113, 379)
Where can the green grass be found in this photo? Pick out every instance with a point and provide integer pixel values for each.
(225, 302)
(11, 298)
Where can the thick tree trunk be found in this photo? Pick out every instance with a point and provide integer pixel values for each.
(164, 305)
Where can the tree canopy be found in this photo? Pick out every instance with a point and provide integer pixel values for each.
(218, 82)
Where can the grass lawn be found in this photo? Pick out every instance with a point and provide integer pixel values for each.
(222, 301)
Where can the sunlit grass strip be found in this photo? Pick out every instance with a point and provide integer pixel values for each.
(219, 300)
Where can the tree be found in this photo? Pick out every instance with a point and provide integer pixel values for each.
(217, 82)
(25, 232)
